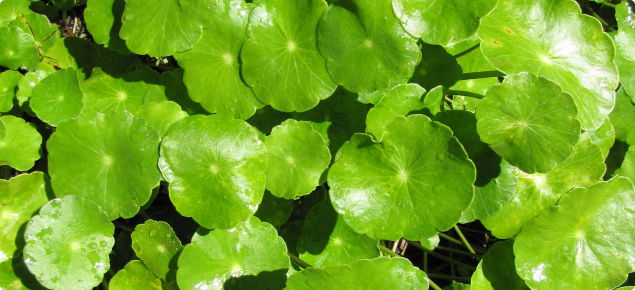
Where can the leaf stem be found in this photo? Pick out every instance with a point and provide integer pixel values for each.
(465, 93)
(441, 257)
(122, 225)
(482, 75)
(609, 4)
(453, 240)
(433, 285)
(449, 278)
(467, 244)
(387, 251)
(74, 22)
(298, 261)
(468, 50)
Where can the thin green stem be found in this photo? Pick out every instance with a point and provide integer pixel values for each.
(439, 256)
(606, 25)
(468, 50)
(433, 285)
(453, 240)
(449, 278)
(467, 244)
(482, 75)
(298, 261)
(387, 251)
(425, 262)
(465, 93)
(74, 22)
(145, 216)
(64, 16)
(122, 225)
(104, 284)
(608, 4)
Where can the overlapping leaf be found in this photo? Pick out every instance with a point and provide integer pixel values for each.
(135, 276)
(8, 83)
(156, 244)
(19, 143)
(497, 270)
(57, 98)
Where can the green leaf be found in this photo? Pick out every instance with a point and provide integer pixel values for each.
(281, 61)
(374, 97)
(431, 243)
(20, 198)
(604, 137)
(586, 241)
(297, 158)
(105, 93)
(414, 183)
(176, 91)
(336, 118)
(103, 20)
(161, 116)
(161, 28)
(11, 9)
(15, 276)
(28, 82)
(327, 240)
(216, 169)
(432, 101)
(20, 143)
(57, 98)
(622, 117)
(570, 49)
(400, 101)
(18, 48)
(74, 52)
(366, 49)
(44, 33)
(8, 83)
(442, 21)
(538, 191)
(213, 62)
(110, 159)
(67, 244)
(437, 68)
(156, 244)
(116, 64)
(473, 62)
(529, 121)
(135, 276)
(625, 47)
(274, 210)
(628, 166)
(497, 270)
(250, 256)
(377, 274)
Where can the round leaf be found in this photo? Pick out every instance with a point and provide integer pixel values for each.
(8, 83)
(80, 54)
(281, 61)
(442, 21)
(398, 102)
(274, 210)
(414, 183)
(297, 158)
(17, 49)
(327, 240)
(569, 49)
(366, 49)
(216, 169)
(497, 270)
(15, 276)
(160, 116)
(110, 159)
(103, 20)
(213, 62)
(44, 33)
(67, 244)
(623, 118)
(586, 241)
(437, 68)
(20, 143)
(135, 276)
(377, 274)
(250, 256)
(57, 98)
(20, 198)
(156, 245)
(529, 121)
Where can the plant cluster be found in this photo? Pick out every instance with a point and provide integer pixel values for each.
(219, 144)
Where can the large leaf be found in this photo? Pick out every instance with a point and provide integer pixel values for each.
(569, 49)
(19, 143)
(156, 245)
(8, 82)
(497, 270)
(44, 33)
(377, 274)
(250, 256)
(135, 276)
(327, 240)
(623, 118)
(529, 121)
(400, 101)
(442, 21)
(586, 241)
(281, 61)
(297, 158)
(538, 191)
(17, 49)
(216, 169)
(110, 159)
(20, 198)
(57, 98)
(365, 47)
(414, 183)
(213, 62)
(161, 28)
(103, 20)
(67, 244)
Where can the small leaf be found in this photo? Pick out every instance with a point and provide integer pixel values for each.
(20, 198)
(586, 241)
(135, 276)
(156, 244)
(432, 101)
(250, 256)
(57, 98)
(437, 68)
(18, 49)
(529, 121)
(67, 244)
(20, 143)
(274, 210)
(161, 116)
(400, 101)
(497, 270)
(365, 47)
(8, 82)
(110, 159)
(216, 169)
(327, 240)
(376, 274)
(103, 20)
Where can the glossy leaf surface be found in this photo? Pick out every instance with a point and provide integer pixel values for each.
(400, 101)
(135, 276)
(497, 270)
(57, 97)
(156, 244)
(19, 143)
(8, 83)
